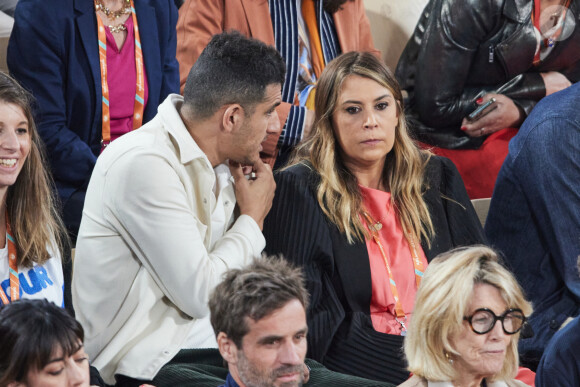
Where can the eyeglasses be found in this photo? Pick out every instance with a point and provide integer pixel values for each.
(483, 320)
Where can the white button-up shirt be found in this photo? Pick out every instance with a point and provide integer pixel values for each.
(147, 258)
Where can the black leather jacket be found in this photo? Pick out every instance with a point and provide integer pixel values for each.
(461, 47)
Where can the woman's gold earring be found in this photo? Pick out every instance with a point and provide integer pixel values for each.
(449, 359)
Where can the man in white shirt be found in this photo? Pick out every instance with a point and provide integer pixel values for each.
(158, 228)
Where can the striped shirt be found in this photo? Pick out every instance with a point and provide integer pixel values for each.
(284, 14)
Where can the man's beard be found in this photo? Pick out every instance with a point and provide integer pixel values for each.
(254, 377)
(250, 153)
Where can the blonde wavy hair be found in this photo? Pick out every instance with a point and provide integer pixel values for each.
(403, 174)
(30, 201)
(443, 300)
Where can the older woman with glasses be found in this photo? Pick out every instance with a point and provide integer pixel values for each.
(469, 311)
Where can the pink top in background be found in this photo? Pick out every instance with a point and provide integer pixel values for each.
(378, 204)
(122, 80)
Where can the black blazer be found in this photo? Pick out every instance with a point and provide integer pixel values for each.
(338, 277)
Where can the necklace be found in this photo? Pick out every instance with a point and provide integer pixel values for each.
(126, 9)
(378, 225)
(117, 29)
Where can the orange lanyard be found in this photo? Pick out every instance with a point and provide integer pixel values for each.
(417, 265)
(13, 267)
(309, 16)
(139, 106)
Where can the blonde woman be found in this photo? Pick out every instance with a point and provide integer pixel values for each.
(465, 329)
(363, 210)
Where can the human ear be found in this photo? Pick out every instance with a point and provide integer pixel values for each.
(227, 348)
(16, 384)
(233, 117)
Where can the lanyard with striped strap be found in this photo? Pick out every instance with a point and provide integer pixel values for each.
(317, 57)
(13, 266)
(400, 315)
(139, 106)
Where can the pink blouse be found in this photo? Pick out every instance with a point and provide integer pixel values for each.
(378, 204)
(122, 80)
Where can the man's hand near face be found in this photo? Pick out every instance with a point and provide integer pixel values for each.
(254, 196)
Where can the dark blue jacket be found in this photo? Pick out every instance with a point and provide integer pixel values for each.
(534, 216)
(53, 52)
(560, 365)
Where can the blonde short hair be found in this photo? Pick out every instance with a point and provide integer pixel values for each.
(442, 302)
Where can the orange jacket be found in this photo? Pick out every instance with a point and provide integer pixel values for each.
(199, 20)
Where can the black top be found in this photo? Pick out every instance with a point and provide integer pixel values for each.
(341, 335)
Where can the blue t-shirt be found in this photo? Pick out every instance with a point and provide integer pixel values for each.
(37, 282)
(230, 382)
